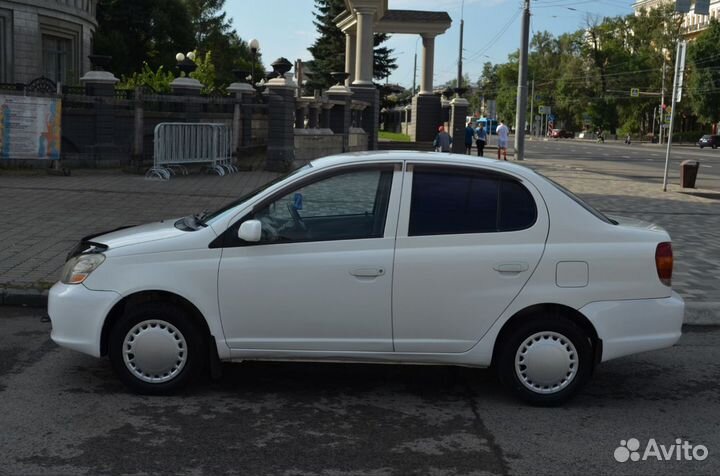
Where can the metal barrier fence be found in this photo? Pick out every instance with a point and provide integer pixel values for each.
(184, 143)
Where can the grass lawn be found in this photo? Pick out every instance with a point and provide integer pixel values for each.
(394, 136)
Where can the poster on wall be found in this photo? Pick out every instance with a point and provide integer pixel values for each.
(30, 127)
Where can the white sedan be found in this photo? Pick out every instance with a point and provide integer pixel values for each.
(377, 257)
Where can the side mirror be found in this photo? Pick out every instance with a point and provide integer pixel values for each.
(250, 231)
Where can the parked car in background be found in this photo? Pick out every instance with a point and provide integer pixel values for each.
(400, 257)
(709, 141)
(561, 134)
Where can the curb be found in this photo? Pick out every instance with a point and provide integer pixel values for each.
(696, 313)
(27, 297)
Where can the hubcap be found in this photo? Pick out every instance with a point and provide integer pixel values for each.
(546, 362)
(154, 351)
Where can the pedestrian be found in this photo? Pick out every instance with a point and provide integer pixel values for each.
(480, 139)
(502, 133)
(442, 141)
(469, 136)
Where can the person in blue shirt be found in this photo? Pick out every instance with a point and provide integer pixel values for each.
(480, 139)
(469, 135)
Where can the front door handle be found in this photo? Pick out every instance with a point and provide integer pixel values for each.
(367, 272)
(511, 267)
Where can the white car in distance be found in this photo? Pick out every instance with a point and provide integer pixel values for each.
(377, 257)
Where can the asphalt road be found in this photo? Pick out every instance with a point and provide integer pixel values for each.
(65, 413)
(643, 162)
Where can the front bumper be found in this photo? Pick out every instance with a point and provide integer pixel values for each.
(77, 315)
(629, 327)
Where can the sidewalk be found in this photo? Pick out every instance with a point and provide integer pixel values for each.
(44, 216)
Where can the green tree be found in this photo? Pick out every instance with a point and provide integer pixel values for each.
(214, 33)
(703, 85)
(205, 72)
(158, 80)
(329, 49)
(135, 32)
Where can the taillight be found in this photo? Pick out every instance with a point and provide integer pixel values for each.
(664, 262)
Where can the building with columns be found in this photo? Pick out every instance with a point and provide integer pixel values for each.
(50, 38)
(360, 21)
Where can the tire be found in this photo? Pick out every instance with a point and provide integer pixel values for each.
(558, 339)
(714, 146)
(179, 348)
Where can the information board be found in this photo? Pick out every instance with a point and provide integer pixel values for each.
(30, 127)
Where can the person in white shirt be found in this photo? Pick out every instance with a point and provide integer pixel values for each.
(502, 133)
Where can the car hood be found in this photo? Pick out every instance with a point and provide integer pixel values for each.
(132, 235)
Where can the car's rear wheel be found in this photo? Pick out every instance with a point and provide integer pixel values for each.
(156, 348)
(714, 146)
(545, 361)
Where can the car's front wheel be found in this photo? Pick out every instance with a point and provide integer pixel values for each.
(545, 361)
(156, 348)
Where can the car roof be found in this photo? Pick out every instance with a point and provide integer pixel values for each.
(418, 157)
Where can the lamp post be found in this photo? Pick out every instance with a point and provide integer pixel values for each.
(254, 47)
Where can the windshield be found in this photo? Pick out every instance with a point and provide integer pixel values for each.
(580, 201)
(211, 216)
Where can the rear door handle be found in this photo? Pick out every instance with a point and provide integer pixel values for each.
(511, 267)
(367, 272)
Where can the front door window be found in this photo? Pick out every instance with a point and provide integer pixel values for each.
(348, 206)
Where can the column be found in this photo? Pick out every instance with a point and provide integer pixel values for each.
(428, 58)
(364, 48)
(301, 108)
(102, 84)
(314, 115)
(458, 114)
(325, 117)
(185, 86)
(281, 134)
(241, 117)
(350, 50)
(137, 151)
(340, 113)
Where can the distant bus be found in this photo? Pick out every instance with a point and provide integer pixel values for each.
(489, 124)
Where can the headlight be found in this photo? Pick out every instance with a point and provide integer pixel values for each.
(77, 269)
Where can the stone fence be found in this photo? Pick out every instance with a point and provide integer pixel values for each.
(104, 126)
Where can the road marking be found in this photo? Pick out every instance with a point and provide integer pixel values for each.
(706, 166)
(625, 156)
(606, 155)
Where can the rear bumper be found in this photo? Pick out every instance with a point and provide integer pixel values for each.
(77, 315)
(629, 327)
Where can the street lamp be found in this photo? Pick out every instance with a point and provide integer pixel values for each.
(186, 63)
(254, 47)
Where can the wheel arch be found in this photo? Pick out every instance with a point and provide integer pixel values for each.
(554, 310)
(147, 296)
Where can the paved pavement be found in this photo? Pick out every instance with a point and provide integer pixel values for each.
(66, 413)
(44, 216)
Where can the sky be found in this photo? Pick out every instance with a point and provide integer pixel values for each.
(491, 31)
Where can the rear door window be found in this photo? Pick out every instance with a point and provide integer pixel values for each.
(458, 201)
